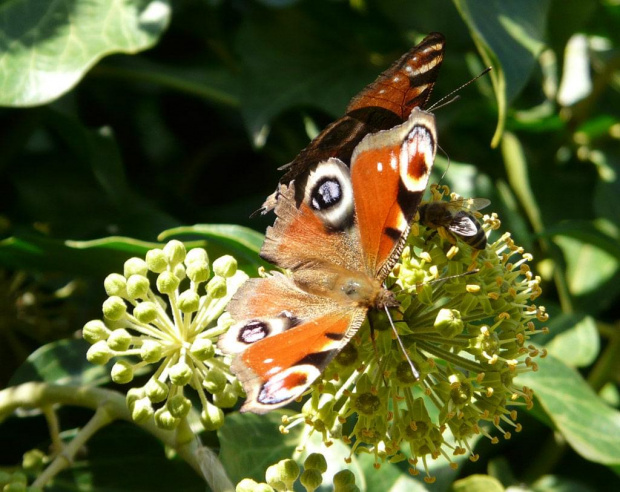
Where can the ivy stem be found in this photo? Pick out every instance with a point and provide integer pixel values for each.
(64, 459)
(108, 406)
(54, 428)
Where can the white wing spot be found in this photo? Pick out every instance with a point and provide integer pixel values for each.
(393, 161)
(396, 79)
(379, 166)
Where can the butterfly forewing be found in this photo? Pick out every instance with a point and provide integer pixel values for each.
(389, 172)
(383, 104)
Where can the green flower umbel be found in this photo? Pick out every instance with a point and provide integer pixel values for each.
(175, 330)
(464, 320)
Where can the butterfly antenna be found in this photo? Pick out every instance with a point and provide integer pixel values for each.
(452, 96)
(447, 167)
(414, 371)
(459, 275)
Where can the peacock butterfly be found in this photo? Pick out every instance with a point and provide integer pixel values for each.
(341, 225)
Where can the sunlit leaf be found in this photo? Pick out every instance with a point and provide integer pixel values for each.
(577, 343)
(509, 37)
(478, 483)
(588, 424)
(46, 46)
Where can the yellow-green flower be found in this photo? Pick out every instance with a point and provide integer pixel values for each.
(175, 329)
(465, 320)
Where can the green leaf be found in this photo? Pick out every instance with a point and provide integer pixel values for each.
(478, 483)
(250, 443)
(62, 362)
(577, 343)
(98, 257)
(555, 483)
(509, 37)
(587, 266)
(103, 256)
(518, 176)
(48, 45)
(588, 424)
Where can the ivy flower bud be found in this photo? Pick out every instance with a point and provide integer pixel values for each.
(114, 308)
(156, 390)
(448, 323)
(343, 480)
(167, 282)
(133, 395)
(141, 410)
(188, 301)
(165, 420)
(225, 266)
(156, 260)
(216, 287)
(212, 417)
(137, 287)
(179, 271)
(135, 266)
(180, 374)
(151, 351)
(145, 312)
(203, 349)
(94, 331)
(225, 398)
(119, 340)
(115, 285)
(99, 353)
(122, 372)
(249, 485)
(311, 479)
(316, 461)
(175, 252)
(282, 475)
(214, 381)
(33, 460)
(196, 255)
(198, 271)
(179, 406)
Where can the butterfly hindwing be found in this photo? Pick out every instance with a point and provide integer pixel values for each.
(288, 342)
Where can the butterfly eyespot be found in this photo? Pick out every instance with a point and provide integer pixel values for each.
(326, 194)
(330, 195)
(253, 332)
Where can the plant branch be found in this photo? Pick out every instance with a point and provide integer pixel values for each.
(44, 395)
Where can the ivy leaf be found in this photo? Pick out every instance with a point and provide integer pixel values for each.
(62, 362)
(509, 37)
(250, 443)
(47, 46)
(588, 424)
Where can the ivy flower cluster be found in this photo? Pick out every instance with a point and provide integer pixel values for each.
(175, 330)
(464, 322)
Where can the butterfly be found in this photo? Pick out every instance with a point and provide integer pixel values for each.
(339, 229)
(381, 105)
